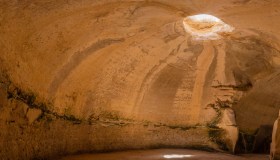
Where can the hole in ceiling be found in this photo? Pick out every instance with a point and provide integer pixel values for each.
(206, 27)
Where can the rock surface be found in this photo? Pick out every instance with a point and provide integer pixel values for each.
(123, 74)
(33, 114)
(229, 125)
(275, 145)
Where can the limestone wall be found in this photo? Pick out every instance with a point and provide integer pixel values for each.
(86, 76)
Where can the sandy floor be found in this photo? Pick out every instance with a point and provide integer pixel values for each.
(162, 154)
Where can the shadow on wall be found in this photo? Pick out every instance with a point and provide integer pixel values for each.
(257, 143)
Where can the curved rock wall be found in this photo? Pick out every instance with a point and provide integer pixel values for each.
(81, 76)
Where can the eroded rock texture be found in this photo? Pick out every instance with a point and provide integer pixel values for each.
(83, 76)
(275, 145)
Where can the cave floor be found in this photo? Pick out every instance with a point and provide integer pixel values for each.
(162, 154)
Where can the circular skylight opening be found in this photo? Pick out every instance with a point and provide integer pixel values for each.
(206, 27)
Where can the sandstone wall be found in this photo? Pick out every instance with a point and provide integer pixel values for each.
(83, 76)
(27, 134)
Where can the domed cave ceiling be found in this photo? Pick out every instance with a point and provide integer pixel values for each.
(107, 72)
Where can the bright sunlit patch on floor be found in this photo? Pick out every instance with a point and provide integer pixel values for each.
(170, 156)
(206, 27)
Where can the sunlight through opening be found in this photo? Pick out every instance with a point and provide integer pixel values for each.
(206, 27)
